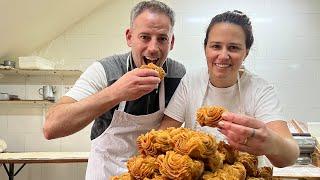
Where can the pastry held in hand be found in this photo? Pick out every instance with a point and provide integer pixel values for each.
(210, 115)
(161, 72)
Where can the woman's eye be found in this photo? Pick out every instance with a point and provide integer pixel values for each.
(234, 47)
(215, 46)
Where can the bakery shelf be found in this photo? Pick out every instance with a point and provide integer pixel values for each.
(26, 102)
(39, 72)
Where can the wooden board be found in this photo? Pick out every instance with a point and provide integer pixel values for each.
(44, 157)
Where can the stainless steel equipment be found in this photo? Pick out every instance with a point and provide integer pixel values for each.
(47, 92)
(9, 63)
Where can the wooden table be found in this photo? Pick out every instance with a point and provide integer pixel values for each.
(39, 157)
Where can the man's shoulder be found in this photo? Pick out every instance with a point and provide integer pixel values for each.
(115, 59)
(114, 66)
(175, 69)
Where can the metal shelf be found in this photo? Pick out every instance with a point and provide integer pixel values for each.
(39, 72)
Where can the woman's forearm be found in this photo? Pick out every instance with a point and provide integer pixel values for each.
(285, 152)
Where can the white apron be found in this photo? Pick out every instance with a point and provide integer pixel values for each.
(214, 131)
(262, 160)
(111, 150)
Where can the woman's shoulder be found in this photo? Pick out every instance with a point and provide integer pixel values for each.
(254, 83)
(254, 79)
(196, 76)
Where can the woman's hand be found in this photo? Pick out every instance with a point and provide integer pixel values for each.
(248, 134)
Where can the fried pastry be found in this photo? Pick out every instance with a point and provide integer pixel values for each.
(228, 172)
(154, 143)
(265, 172)
(160, 71)
(214, 162)
(229, 154)
(210, 115)
(141, 167)
(125, 176)
(250, 162)
(184, 154)
(195, 144)
(180, 167)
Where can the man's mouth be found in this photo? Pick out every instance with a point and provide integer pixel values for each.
(148, 60)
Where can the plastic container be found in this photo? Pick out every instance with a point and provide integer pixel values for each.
(35, 62)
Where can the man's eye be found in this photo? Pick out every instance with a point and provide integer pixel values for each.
(144, 37)
(163, 39)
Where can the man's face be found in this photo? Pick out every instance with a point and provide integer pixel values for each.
(150, 38)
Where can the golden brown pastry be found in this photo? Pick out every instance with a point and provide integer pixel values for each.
(228, 172)
(180, 167)
(214, 162)
(265, 172)
(229, 154)
(154, 143)
(210, 115)
(125, 176)
(161, 72)
(141, 167)
(157, 177)
(195, 144)
(250, 162)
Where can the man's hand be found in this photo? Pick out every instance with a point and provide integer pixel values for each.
(136, 83)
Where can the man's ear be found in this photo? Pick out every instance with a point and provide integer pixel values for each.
(172, 42)
(129, 37)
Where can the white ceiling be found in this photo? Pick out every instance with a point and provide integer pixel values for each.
(28, 24)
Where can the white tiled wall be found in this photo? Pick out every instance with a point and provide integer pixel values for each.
(285, 52)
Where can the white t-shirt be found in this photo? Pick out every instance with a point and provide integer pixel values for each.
(257, 98)
(93, 80)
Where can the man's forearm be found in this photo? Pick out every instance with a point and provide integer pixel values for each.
(65, 119)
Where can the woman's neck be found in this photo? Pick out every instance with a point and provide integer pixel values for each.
(226, 82)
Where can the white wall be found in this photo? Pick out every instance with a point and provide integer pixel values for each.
(285, 52)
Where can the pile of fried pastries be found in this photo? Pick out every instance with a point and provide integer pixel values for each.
(184, 154)
(210, 115)
(160, 71)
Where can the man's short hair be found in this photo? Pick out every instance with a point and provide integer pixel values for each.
(153, 6)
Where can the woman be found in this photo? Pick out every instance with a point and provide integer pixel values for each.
(254, 122)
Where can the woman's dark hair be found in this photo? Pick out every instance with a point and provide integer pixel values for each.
(234, 17)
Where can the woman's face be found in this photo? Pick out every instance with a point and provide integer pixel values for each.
(225, 51)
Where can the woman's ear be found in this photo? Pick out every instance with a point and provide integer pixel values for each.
(247, 53)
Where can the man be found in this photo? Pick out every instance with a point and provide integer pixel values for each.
(125, 101)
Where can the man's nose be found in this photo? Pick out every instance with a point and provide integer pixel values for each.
(153, 46)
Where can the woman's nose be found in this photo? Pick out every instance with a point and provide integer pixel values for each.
(224, 54)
